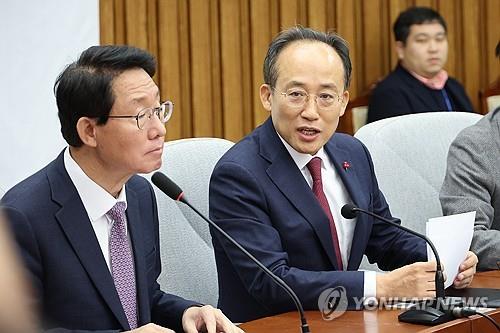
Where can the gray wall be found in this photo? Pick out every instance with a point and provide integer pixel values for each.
(38, 38)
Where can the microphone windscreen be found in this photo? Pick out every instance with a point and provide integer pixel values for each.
(348, 211)
(167, 186)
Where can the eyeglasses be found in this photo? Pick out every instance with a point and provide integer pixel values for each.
(163, 112)
(297, 98)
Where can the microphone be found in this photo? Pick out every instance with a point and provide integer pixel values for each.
(174, 192)
(428, 314)
(458, 312)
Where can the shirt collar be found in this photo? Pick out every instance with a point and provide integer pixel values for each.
(437, 82)
(96, 200)
(302, 159)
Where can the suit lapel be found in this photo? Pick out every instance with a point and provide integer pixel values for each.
(289, 179)
(74, 221)
(339, 155)
(136, 237)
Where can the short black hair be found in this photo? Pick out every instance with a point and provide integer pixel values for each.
(415, 15)
(84, 88)
(497, 50)
(299, 33)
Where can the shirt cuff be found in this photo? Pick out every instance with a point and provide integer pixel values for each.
(370, 288)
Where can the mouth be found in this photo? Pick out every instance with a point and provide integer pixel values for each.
(308, 134)
(156, 150)
(308, 131)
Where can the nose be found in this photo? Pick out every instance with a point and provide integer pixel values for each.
(157, 128)
(310, 110)
(433, 45)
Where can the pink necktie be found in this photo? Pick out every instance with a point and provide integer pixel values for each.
(314, 167)
(122, 263)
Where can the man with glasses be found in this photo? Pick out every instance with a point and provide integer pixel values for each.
(86, 224)
(280, 190)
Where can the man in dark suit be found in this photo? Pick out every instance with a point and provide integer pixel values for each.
(86, 224)
(419, 83)
(279, 192)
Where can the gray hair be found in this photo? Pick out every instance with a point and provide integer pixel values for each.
(299, 33)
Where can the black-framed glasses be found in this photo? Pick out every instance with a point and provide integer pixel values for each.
(163, 112)
(297, 98)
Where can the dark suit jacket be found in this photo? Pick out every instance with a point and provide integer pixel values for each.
(72, 282)
(401, 93)
(260, 197)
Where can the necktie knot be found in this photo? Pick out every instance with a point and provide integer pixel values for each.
(314, 167)
(117, 213)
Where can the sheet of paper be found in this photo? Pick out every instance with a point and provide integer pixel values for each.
(452, 236)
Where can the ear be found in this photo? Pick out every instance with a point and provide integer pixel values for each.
(86, 128)
(343, 103)
(400, 49)
(265, 96)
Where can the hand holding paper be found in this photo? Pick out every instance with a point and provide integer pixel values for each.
(452, 237)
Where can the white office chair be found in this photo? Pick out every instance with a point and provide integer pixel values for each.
(188, 261)
(409, 155)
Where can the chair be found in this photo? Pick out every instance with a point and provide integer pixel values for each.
(356, 111)
(188, 261)
(355, 116)
(409, 155)
(490, 97)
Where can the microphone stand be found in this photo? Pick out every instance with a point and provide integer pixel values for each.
(167, 186)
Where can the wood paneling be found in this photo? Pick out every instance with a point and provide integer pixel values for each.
(491, 30)
(471, 41)
(210, 52)
(232, 89)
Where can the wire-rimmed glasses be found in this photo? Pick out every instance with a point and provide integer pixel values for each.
(297, 98)
(163, 112)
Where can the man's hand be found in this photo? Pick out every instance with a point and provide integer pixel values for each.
(415, 280)
(207, 319)
(151, 328)
(466, 271)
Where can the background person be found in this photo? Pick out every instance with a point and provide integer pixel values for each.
(418, 83)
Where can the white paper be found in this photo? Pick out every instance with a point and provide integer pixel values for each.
(452, 236)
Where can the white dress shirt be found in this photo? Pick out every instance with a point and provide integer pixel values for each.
(337, 196)
(97, 202)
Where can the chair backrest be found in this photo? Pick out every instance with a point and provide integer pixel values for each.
(359, 117)
(493, 102)
(490, 97)
(188, 261)
(409, 155)
(356, 111)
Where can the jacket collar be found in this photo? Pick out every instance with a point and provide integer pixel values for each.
(285, 174)
(76, 225)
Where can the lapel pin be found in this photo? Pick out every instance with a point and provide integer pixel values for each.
(346, 165)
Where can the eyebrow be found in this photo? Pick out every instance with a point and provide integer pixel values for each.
(424, 34)
(140, 99)
(301, 84)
